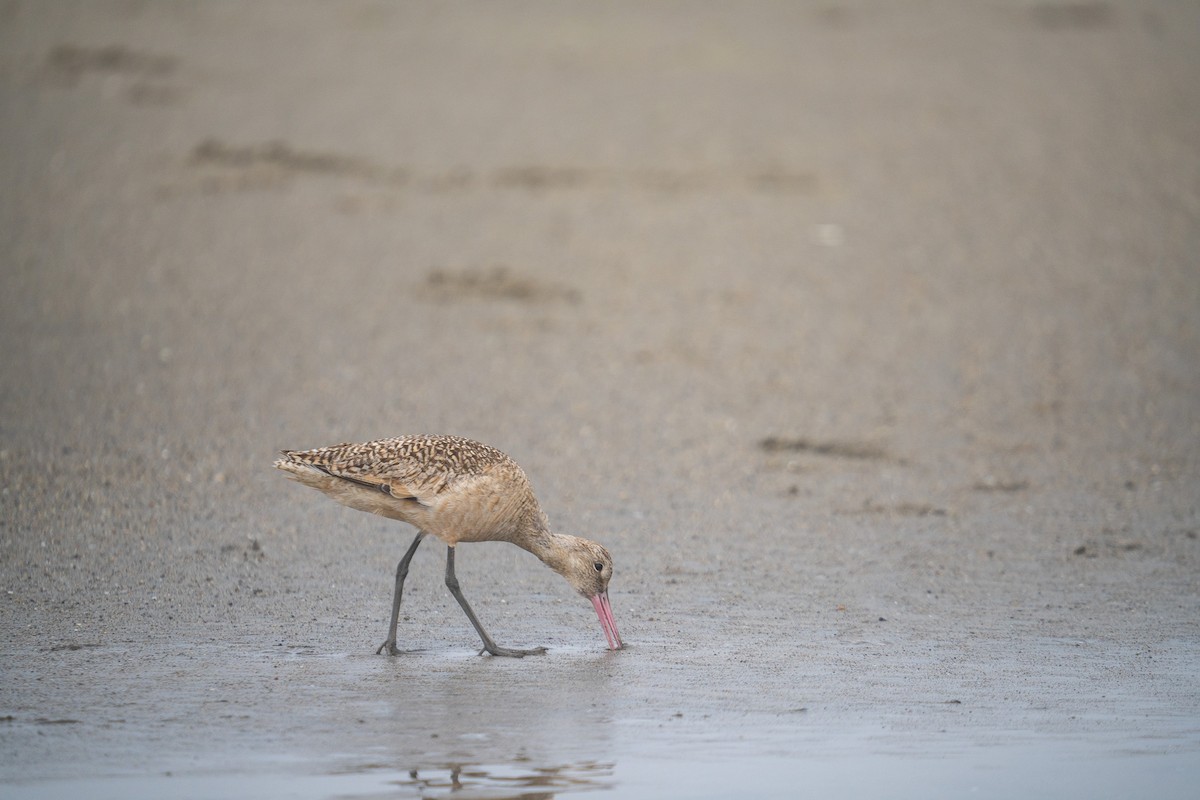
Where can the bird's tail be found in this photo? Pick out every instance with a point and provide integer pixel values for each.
(299, 470)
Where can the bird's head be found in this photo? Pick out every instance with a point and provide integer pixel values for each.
(587, 566)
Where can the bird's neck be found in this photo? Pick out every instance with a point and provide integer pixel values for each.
(547, 546)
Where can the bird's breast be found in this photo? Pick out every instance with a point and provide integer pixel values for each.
(475, 510)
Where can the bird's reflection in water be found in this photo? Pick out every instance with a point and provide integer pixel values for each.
(513, 782)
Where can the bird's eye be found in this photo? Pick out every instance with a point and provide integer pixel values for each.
(599, 567)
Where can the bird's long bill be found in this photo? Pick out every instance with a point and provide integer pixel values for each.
(604, 612)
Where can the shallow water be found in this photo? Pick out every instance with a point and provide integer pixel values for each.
(1054, 771)
(229, 720)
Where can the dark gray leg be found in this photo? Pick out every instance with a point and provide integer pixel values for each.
(401, 574)
(488, 644)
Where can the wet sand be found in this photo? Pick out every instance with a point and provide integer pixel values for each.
(863, 335)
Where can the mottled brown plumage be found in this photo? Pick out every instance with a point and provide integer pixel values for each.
(458, 490)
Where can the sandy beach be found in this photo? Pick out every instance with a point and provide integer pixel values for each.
(864, 336)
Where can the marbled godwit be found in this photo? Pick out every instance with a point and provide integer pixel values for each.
(459, 491)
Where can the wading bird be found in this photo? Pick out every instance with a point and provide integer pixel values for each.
(458, 490)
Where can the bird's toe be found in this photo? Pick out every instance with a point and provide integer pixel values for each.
(511, 652)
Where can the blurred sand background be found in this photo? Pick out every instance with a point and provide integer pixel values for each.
(865, 335)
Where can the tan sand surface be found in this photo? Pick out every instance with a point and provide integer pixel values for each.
(866, 336)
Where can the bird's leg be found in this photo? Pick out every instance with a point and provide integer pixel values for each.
(488, 644)
(401, 574)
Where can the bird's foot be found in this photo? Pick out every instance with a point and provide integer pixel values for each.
(390, 647)
(513, 652)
